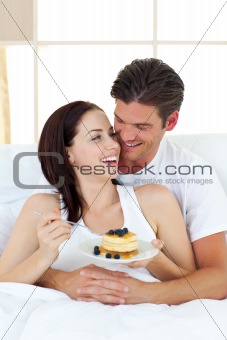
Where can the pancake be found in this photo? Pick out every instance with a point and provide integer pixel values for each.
(125, 243)
(118, 243)
(117, 255)
(120, 240)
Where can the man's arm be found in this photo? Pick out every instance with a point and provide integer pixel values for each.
(208, 282)
(70, 282)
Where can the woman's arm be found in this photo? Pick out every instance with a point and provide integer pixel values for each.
(161, 209)
(34, 241)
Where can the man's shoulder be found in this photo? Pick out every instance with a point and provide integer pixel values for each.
(171, 145)
(173, 150)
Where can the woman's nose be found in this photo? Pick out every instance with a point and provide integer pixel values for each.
(112, 143)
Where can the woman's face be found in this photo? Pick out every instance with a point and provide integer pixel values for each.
(95, 150)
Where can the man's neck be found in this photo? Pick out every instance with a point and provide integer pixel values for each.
(127, 166)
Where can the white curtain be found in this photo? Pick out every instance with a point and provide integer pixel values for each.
(4, 100)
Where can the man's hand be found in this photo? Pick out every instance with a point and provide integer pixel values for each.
(70, 283)
(102, 285)
(114, 290)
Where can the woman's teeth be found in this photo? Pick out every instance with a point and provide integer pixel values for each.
(109, 159)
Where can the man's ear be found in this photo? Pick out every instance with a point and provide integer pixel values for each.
(172, 121)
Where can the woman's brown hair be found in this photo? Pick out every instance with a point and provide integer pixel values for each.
(57, 134)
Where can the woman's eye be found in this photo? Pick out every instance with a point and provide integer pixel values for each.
(96, 138)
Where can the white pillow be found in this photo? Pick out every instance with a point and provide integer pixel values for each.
(8, 216)
(26, 171)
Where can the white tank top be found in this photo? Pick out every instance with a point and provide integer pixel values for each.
(70, 258)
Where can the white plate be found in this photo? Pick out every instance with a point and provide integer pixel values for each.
(145, 249)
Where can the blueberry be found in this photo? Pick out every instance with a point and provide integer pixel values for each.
(121, 233)
(116, 256)
(111, 232)
(125, 230)
(116, 231)
(108, 256)
(96, 251)
(96, 247)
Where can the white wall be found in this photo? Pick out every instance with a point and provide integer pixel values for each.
(81, 45)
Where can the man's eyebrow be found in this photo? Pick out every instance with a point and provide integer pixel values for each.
(117, 116)
(143, 124)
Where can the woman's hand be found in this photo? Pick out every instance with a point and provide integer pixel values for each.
(138, 264)
(51, 232)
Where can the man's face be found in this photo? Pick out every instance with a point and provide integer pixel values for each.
(139, 130)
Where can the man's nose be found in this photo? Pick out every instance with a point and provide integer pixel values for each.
(128, 133)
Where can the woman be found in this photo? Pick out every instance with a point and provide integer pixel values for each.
(81, 133)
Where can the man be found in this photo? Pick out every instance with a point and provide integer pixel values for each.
(148, 96)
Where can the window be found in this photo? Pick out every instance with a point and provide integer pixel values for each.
(80, 45)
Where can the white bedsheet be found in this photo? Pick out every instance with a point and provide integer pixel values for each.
(33, 313)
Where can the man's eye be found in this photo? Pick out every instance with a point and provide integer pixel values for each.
(118, 120)
(142, 127)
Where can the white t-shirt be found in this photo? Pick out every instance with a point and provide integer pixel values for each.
(192, 180)
(194, 183)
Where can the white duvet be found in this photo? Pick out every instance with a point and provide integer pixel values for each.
(32, 313)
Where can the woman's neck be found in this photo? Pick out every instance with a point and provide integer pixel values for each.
(98, 195)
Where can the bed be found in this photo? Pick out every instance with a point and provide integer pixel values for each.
(28, 312)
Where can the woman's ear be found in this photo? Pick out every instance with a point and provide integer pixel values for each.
(172, 121)
(70, 156)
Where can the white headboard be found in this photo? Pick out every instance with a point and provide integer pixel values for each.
(212, 147)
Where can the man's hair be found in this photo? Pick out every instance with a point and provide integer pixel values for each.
(151, 82)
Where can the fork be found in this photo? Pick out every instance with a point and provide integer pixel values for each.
(73, 223)
(41, 213)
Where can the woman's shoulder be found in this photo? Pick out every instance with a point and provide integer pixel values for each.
(42, 202)
(153, 195)
(152, 189)
(153, 198)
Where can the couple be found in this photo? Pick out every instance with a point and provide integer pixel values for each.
(148, 97)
